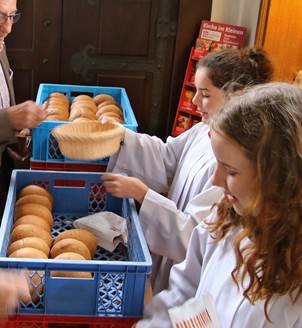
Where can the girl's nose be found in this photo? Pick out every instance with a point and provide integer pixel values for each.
(196, 99)
(218, 178)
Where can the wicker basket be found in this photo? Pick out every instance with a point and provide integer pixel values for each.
(88, 140)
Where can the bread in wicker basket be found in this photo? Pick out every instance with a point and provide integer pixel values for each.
(88, 140)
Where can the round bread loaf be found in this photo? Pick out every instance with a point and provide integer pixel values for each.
(70, 245)
(112, 114)
(30, 230)
(102, 97)
(56, 113)
(56, 117)
(109, 108)
(59, 95)
(72, 274)
(88, 105)
(33, 242)
(83, 235)
(34, 209)
(82, 97)
(108, 102)
(81, 112)
(37, 190)
(33, 219)
(35, 199)
(29, 253)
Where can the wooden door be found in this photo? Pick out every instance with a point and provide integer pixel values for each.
(34, 46)
(142, 45)
(280, 33)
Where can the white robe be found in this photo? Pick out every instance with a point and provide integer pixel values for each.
(181, 168)
(207, 270)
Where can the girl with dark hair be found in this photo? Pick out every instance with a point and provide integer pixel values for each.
(182, 167)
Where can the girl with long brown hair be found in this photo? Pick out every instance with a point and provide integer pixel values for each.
(243, 267)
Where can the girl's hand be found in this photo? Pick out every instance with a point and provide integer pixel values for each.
(125, 187)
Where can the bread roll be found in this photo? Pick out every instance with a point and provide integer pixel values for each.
(53, 109)
(108, 102)
(81, 112)
(57, 118)
(83, 235)
(89, 105)
(70, 245)
(29, 253)
(37, 190)
(110, 108)
(59, 95)
(33, 219)
(33, 242)
(82, 97)
(71, 274)
(30, 230)
(36, 199)
(102, 97)
(34, 209)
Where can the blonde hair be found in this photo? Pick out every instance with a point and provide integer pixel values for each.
(266, 122)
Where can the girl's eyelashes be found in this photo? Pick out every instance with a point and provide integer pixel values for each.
(204, 94)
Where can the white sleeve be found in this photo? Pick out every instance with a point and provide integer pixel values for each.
(167, 229)
(183, 283)
(298, 324)
(149, 158)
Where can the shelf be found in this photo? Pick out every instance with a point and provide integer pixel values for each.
(186, 114)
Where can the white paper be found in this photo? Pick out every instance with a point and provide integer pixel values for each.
(109, 228)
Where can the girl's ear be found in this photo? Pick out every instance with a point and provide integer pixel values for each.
(209, 134)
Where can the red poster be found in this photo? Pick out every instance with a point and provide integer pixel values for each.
(216, 36)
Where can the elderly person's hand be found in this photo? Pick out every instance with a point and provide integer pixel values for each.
(14, 286)
(125, 187)
(26, 115)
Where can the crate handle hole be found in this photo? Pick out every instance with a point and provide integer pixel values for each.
(69, 183)
(72, 275)
(77, 93)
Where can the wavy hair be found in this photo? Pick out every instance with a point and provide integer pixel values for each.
(266, 122)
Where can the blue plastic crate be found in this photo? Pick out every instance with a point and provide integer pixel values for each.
(45, 147)
(117, 286)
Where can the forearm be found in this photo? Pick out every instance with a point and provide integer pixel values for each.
(146, 158)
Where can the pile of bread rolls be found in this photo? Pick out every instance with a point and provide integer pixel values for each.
(74, 244)
(83, 108)
(31, 237)
(108, 108)
(57, 106)
(31, 232)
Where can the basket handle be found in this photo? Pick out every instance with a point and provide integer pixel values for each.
(69, 183)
